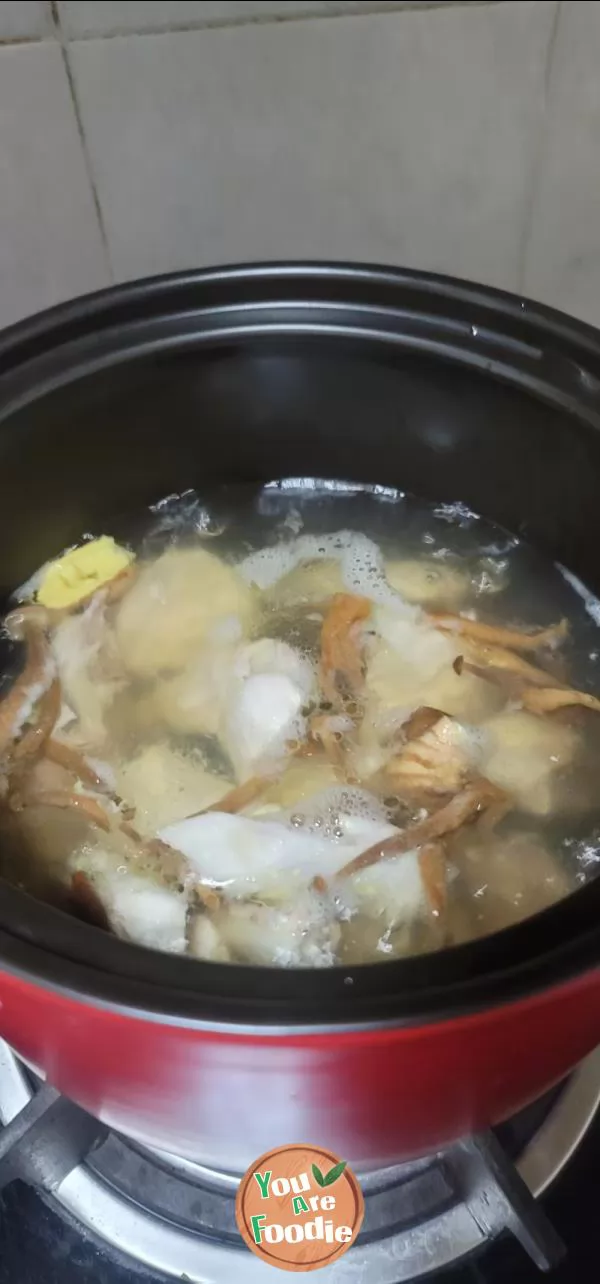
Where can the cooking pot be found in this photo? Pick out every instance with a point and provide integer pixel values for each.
(434, 386)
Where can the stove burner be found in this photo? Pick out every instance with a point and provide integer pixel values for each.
(177, 1218)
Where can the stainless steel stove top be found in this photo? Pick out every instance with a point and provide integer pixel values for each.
(176, 1218)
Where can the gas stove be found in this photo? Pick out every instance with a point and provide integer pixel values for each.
(82, 1203)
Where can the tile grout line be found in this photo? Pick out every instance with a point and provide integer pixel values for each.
(224, 24)
(278, 19)
(539, 146)
(63, 43)
(7, 42)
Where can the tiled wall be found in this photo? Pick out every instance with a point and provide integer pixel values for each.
(137, 136)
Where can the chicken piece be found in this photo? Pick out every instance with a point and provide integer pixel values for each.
(246, 856)
(411, 664)
(89, 668)
(138, 907)
(302, 778)
(270, 686)
(385, 903)
(309, 583)
(174, 605)
(437, 762)
(508, 879)
(468, 697)
(262, 722)
(192, 702)
(164, 787)
(428, 582)
(402, 658)
(392, 892)
(523, 755)
(251, 695)
(299, 934)
(205, 941)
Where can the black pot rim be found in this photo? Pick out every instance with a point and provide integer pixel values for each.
(554, 357)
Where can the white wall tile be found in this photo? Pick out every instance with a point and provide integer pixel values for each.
(50, 243)
(21, 19)
(101, 17)
(563, 260)
(404, 138)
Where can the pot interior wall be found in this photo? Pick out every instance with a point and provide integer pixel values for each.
(110, 441)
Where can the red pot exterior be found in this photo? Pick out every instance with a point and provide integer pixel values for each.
(372, 1096)
(414, 382)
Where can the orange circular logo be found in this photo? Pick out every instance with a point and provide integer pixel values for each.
(299, 1207)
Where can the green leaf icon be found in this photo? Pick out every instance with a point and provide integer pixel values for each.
(318, 1176)
(334, 1173)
